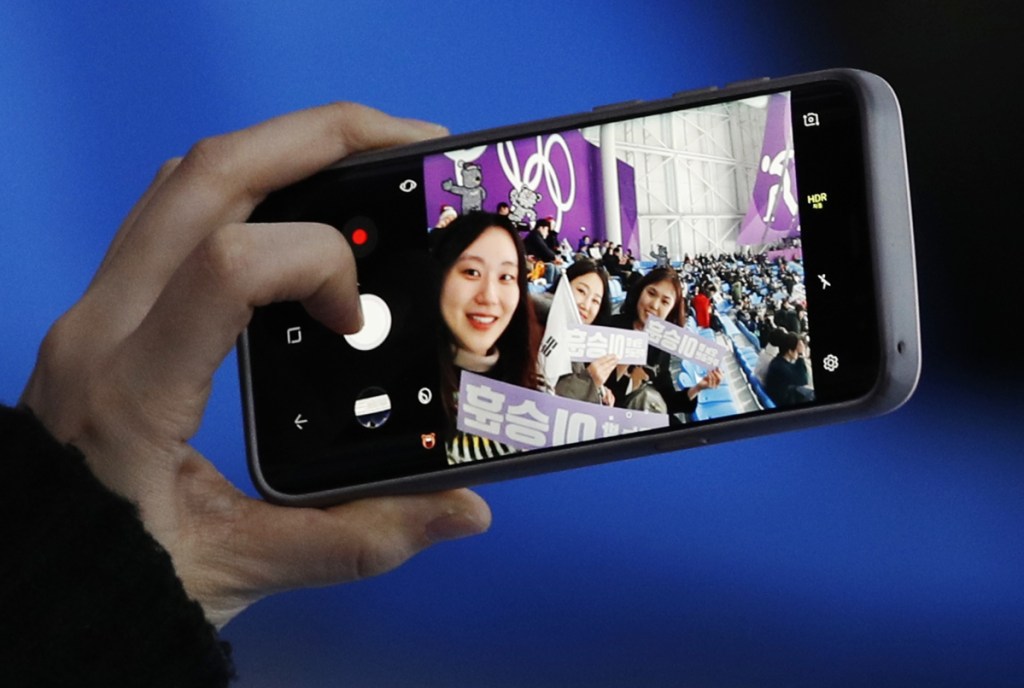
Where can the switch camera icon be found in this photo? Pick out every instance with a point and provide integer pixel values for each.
(811, 119)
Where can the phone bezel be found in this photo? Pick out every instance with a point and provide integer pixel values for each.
(887, 209)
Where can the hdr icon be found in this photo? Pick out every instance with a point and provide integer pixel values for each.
(817, 201)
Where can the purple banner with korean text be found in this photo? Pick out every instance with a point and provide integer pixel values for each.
(527, 419)
(685, 343)
(590, 342)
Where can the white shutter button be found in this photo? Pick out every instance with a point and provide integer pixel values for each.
(376, 324)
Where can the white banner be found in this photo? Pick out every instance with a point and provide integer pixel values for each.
(685, 343)
(590, 342)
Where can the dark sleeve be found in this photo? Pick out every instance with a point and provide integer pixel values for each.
(86, 594)
(772, 382)
(782, 377)
(618, 387)
(676, 400)
(535, 246)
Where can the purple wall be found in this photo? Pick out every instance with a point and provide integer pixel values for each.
(565, 169)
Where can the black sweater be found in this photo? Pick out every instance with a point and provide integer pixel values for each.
(87, 596)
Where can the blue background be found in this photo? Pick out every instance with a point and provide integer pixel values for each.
(881, 552)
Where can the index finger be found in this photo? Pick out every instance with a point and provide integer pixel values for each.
(221, 181)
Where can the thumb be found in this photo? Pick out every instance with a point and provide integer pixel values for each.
(295, 548)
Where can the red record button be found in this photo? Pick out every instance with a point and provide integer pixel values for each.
(361, 233)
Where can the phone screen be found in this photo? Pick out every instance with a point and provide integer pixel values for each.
(652, 274)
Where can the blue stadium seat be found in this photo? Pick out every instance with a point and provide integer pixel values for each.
(718, 394)
(535, 288)
(692, 369)
(716, 409)
(751, 337)
(615, 292)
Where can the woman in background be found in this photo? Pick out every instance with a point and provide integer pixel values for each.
(650, 387)
(589, 283)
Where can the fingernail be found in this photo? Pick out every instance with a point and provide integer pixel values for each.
(429, 128)
(454, 526)
(360, 318)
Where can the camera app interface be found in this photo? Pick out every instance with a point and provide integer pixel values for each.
(570, 287)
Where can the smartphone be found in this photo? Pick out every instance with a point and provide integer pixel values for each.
(643, 278)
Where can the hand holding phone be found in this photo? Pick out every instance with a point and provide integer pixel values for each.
(124, 375)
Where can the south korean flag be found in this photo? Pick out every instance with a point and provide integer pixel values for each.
(554, 353)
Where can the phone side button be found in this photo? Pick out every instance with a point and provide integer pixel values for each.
(695, 92)
(748, 82)
(616, 106)
(678, 443)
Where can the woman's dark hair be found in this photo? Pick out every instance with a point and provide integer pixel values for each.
(586, 266)
(520, 342)
(775, 336)
(788, 341)
(677, 315)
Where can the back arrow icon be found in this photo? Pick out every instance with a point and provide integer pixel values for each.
(300, 421)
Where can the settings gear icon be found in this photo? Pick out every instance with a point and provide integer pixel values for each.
(831, 363)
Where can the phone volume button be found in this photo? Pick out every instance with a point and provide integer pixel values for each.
(759, 81)
(616, 106)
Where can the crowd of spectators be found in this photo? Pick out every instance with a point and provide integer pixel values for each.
(762, 291)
